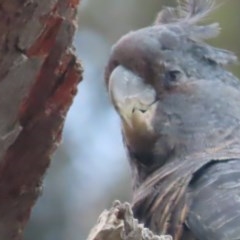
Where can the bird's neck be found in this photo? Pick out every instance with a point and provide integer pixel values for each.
(144, 163)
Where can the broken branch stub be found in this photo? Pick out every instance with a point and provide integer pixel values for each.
(118, 223)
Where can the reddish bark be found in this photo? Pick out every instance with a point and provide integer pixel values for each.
(39, 75)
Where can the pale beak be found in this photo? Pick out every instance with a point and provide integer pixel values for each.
(134, 100)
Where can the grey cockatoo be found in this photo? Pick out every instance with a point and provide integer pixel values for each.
(180, 115)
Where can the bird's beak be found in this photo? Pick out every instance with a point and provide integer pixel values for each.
(134, 100)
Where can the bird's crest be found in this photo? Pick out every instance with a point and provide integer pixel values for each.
(189, 13)
(187, 16)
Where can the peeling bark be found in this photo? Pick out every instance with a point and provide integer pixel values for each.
(39, 74)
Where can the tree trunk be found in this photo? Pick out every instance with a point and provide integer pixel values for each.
(38, 80)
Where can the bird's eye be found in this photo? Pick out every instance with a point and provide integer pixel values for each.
(171, 77)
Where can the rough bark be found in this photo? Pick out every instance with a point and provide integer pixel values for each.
(38, 80)
(119, 224)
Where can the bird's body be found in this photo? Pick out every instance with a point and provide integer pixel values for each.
(197, 202)
(180, 112)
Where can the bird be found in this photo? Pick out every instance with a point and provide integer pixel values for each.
(179, 109)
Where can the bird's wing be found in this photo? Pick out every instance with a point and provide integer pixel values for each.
(214, 193)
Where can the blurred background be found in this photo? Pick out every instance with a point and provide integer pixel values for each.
(90, 169)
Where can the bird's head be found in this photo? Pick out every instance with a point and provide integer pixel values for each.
(170, 88)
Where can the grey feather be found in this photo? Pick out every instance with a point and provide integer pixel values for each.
(193, 11)
(214, 210)
(221, 56)
(167, 15)
(188, 14)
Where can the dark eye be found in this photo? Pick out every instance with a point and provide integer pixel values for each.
(171, 77)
